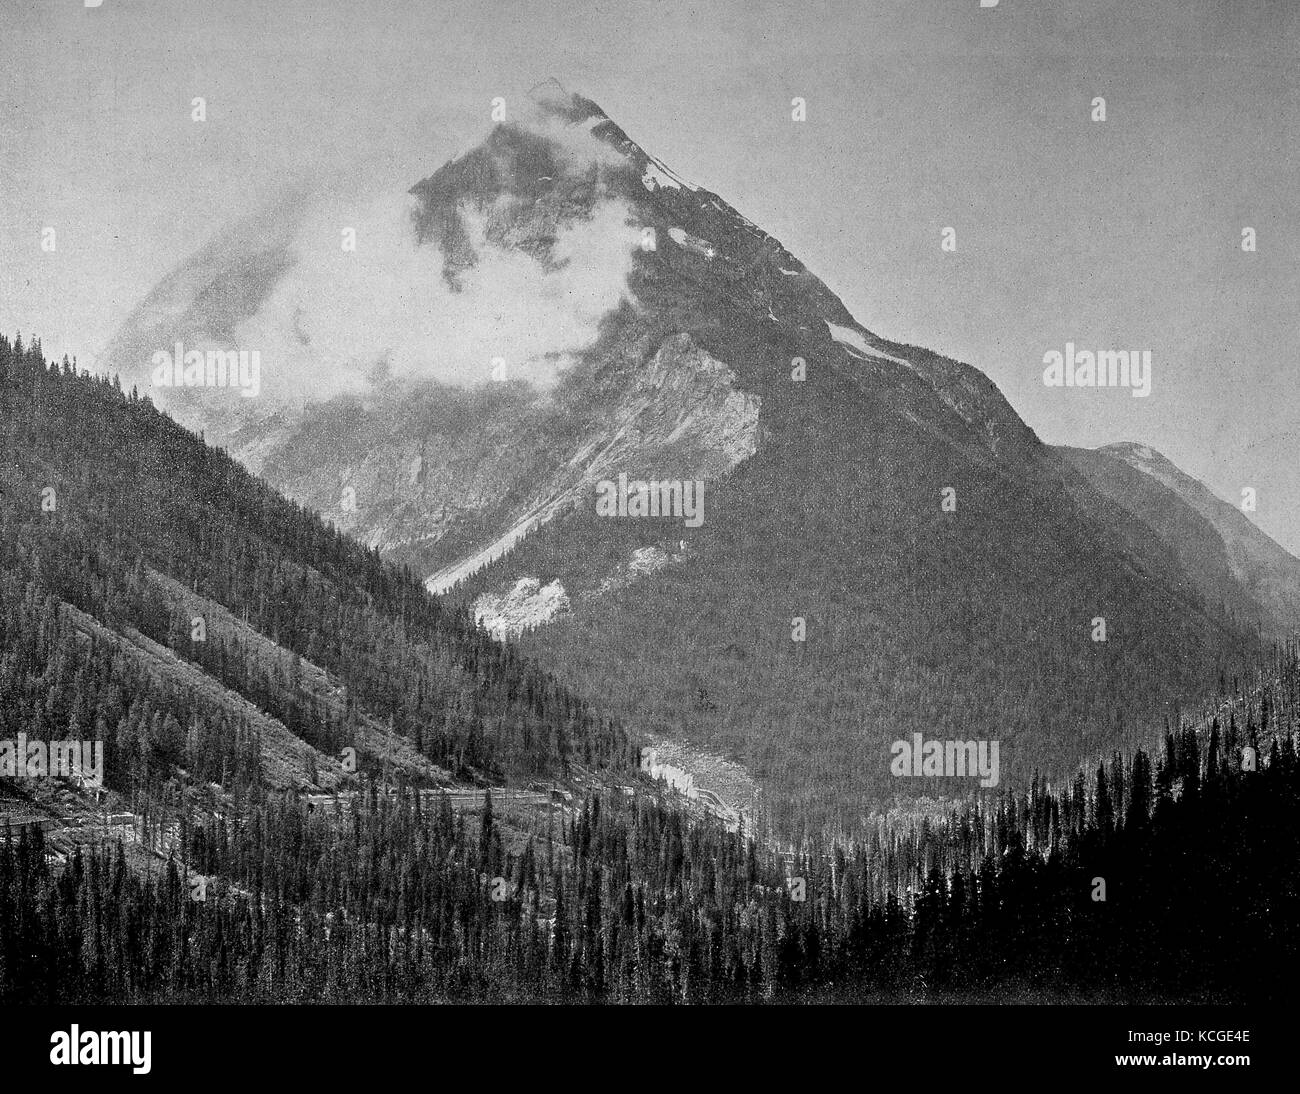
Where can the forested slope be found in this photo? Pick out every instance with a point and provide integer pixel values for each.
(110, 507)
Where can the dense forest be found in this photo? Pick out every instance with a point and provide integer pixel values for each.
(1173, 878)
(102, 493)
(975, 623)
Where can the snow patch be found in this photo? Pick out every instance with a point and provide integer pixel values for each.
(644, 561)
(847, 336)
(856, 344)
(657, 176)
(692, 243)
(529, 604)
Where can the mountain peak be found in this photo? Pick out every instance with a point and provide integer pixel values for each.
(551, 95)
(1142, 456)
(551, 98)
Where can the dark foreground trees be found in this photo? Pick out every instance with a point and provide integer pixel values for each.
(630, 901)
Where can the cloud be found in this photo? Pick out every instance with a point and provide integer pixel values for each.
(336, 315)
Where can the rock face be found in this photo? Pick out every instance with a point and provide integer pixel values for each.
(681, 416)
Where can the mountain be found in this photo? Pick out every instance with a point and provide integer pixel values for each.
(1217, 544)
(885, 547)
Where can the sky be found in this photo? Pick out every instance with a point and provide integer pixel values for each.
(920, 115)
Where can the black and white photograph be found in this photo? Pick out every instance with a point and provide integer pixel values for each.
(753, 504)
